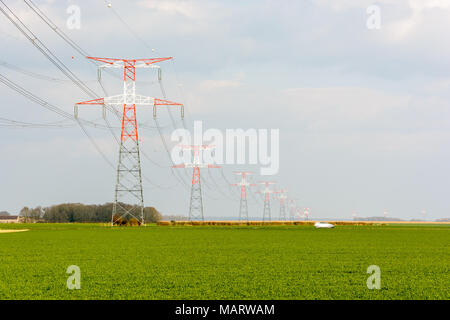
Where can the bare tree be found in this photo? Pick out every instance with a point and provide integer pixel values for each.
(25, 213)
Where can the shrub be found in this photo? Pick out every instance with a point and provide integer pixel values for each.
(133, 222)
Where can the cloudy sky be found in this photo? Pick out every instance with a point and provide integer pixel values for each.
(363, 113)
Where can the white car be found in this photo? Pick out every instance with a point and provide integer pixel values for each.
(323, 225)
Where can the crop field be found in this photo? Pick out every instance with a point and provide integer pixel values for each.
(224, 262)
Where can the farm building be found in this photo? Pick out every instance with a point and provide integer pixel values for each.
(9, 219)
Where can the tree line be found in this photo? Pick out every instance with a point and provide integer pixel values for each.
(78, 212)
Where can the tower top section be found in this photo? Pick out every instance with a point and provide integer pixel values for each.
(119, 63)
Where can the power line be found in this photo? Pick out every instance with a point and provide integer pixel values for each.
(81, 51)
(67, 116)
(4, 122)
(27, 94)
(109, 5)
(44, 50)
(50, 56)
(130, 29)
(31, 74)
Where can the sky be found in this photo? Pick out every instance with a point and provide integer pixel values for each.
(363, 114)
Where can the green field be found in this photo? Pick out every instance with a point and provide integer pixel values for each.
(207, 262)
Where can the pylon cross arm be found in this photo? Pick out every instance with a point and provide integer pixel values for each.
(138, 100)
(100, 101)
(243, 183)
(195, 165)
(160, 102)
(137, 63)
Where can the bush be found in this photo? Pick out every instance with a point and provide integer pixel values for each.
(117, 220)
(133, 222)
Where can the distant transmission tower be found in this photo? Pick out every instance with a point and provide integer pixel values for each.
(244, 184)
(196, 202)
(299, 212)
(423, 213)
(128, 188)
(267, 192)
(306, 213)
(282, 197)
(291, 205)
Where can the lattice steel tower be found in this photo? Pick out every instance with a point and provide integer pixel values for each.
(196, 201)
(244, 184)
(306, 213)
(282, 197)
(267, 192)
(128, 192)
(292, 206)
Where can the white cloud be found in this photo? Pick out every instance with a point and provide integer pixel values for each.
(219, 84)
(397, 28)
(405, 27)
(185, 8)
(339, 106)
(438, 86)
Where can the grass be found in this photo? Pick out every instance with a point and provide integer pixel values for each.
(215, 262)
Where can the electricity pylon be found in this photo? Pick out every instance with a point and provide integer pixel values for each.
(291, 205)
(196, 202)
(267, 192)
(282, 197)
(244, 184)
(423, 212)
(299, 212)
(128, 188)
(306, 213)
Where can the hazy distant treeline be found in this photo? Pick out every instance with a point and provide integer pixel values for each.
(78, 212)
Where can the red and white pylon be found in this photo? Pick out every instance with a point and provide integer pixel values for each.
(306, 213)
(282, 196)
(291, 206)
(299, 212)
(244, 184)
(267, 192)
(196, 202)
(128, 188)
(423, 212)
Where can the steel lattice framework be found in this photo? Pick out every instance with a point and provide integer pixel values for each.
(244, 184)
(267, 191)
(128, 193)
(282, 197)
(196, 201)
(292, 206)
(306, 213)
